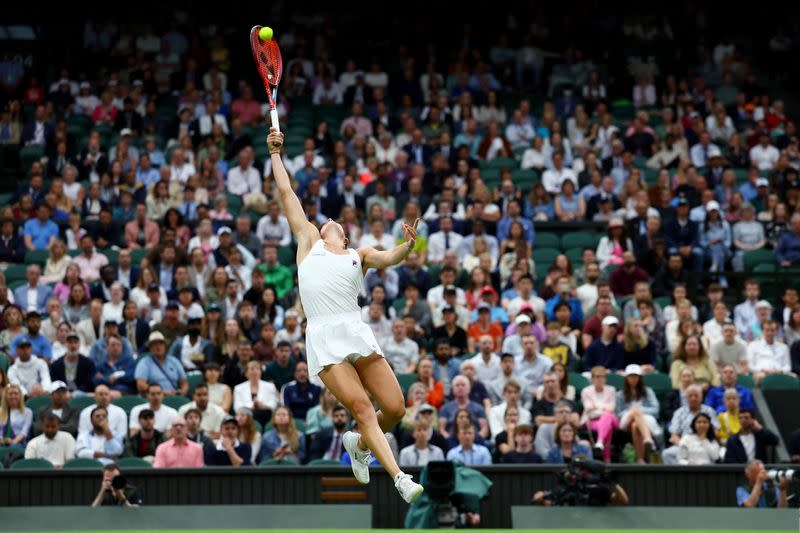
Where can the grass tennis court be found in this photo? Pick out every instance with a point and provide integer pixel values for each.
(421, 530)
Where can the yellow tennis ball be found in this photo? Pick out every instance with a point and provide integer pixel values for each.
(265, 33)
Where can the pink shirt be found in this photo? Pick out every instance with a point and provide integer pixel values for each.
(591, 399)
(171, 455)
(90, 266)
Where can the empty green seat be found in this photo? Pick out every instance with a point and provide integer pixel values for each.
(127, 403)
(406, 380)
(32, 464)
(658, 382)
(545, 255)
(176, 402)
(546, 239)
(133, 462)
(578, 381)
(579, 239)
(758, 257)
(83, 462)
(780, 382)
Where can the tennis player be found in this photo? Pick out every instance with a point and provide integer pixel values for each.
(340, 347)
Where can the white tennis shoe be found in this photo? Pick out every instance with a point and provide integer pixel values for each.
(407, 488)
(359, 459)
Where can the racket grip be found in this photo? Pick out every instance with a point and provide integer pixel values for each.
(273, 116)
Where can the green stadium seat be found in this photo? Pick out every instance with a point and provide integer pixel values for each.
(663, 301)
(406, 380)
(5, 362)
(28, 155)
(503, 162)
(746, 380)
(578, 381)
(112, 255)
(32, 464)
(324, 462)
(658, 382)
(545, 255)
(36, 256)
(779, 382)
(133, 462)
(279, 462)
(524, 179)
(615, 380)
(176, 402)
(138, 254)
(579, 239)
(5, 450)
(81, 402)
(127, 403)
(15, 272)
(83, 462)
(287, 255)
(194, 378)
(573, 254)
(546, 239)
(758, 257)
(36, 403)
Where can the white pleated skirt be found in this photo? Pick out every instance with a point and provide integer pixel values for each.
(331, 339)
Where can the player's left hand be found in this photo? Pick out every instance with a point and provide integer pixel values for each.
(410, 233)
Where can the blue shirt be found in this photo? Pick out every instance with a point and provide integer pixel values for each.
(39, 233)
(554, 456)
(504, 226)
(742, 493)
(147, 177)
(574, 305)
(716, 398)
(168, 374)
(477, 456)
(450, 409)
(787, 249)
(40, 346)
(298, 400)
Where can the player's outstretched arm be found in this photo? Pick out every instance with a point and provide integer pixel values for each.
(304, 231)
(372, 258)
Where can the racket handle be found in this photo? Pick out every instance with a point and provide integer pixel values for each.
(273, 116)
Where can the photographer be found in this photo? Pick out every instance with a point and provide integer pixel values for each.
(760, 490)
(115, 490)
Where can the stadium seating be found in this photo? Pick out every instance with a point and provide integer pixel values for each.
(83, 463)
(32, 464)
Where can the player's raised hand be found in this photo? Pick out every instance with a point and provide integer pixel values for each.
(274, 141)
(410, 233)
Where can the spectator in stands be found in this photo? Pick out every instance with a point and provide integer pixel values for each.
(566, 445)
(53, 444)
(487, 363)
(532, 366)
(421, 452)
(161, 369)
(194, 431)
(60, 407)
(637, 411)
(259, 395)
(715, 395)
(625, 278)
(74, 368)
(748, 235)
(212, 414)
(89, 261)
(768, 355)
(326, 443)
(751, 442)
(283, 441)
(606, 351)
(33, 295)
(40, 345)
(637, 346)
(29, 371)
(170, 327)
(555, 348)
(681, 422)
(300, 395)
(15, 418)
(565, 293)
(461, 400)
(40, 232)
(155, 403)
(551, 393)
(144, 441)
(692, 354)
(728, 416)
(141, 232)
(700, 447)
(744, 314)
(229, 451)
(787, 252)
(99, 442)
(468, 451)
(669, 275)
(117, 370)
(401, 352)
(117, 418)
(599, 405)
(281, 369)
(511, 398)
(730, 349)
(12, 245)
(179, 451)
(192, 349)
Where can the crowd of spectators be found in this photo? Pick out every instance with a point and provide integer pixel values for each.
(149, 307)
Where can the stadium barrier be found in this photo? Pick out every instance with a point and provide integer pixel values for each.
(712, 486)
(672, 518)
(193, 517)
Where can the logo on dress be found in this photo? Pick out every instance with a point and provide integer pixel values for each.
(355, 263)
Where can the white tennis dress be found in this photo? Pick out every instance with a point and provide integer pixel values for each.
(329, 288)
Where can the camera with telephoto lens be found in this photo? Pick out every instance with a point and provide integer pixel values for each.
(777, 475)
(583, 482)
(119, 482)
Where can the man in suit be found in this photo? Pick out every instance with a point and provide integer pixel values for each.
(133, 328)
(89, 329)
(67, 414)
(327, 444)
(38, 131)
(415, 194)
(127, 273)
(32, 296)
(102, 290)
(141, 232)
(418, 152)
(751, 442)
(347, 193)
(74, 369)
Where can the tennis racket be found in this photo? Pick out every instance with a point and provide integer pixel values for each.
(267, 56)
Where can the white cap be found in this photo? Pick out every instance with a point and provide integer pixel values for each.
(633, 369)
(713, 205)
(125, 131)
(522, 319)
(762, 182)
(610, 320)
(223, 229)
(85, 85)
(763, 303)
(195, 313)
(55, 385)
(714, 151)
(156, 336)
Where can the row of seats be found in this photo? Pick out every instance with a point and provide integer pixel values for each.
(131, 462)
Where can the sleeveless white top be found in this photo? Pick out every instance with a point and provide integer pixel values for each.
(330, 283)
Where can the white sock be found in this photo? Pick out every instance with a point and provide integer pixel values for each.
(398, 476)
